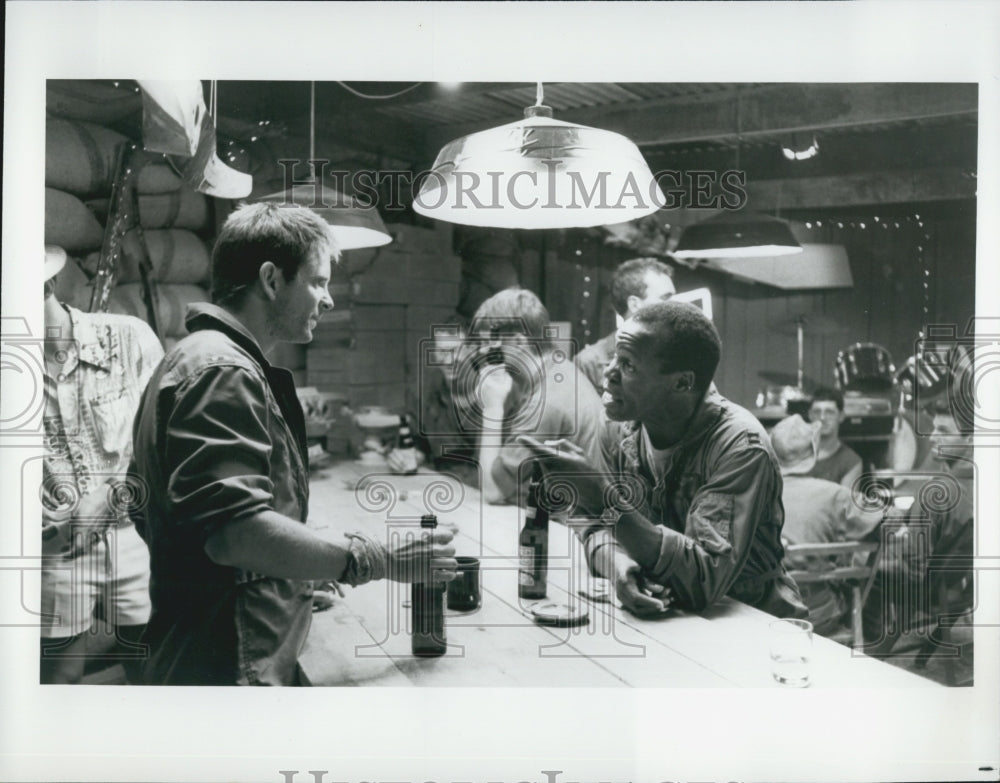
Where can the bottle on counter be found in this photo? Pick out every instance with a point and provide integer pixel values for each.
(533, 542)
(405, 446)
(427, 609)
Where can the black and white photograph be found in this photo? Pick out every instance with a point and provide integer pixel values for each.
(497, 402)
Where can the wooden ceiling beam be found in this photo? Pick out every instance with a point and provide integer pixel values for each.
(890, 187)
(767, 110)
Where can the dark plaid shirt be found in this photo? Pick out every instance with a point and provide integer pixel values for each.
(219, 437)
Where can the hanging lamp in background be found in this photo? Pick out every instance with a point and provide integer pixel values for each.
(353, 226)
(539, 172)
(740, 233)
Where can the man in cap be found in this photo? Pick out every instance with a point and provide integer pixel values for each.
(817, 511)
(94, 566)
(689, 493)
(220, 443)
(637, 282)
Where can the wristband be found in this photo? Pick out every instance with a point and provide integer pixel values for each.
(366, 560)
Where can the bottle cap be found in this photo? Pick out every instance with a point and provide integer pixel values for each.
(559, 614)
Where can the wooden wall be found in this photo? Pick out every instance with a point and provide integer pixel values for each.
(886, 304)
(386, 300)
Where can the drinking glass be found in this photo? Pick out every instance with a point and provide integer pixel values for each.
(791, 644)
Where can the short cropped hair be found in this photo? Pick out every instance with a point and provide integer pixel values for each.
(255, 233)
(942, 406)
(514, 311)
(630, 280)
(828, 394)
(683, 338)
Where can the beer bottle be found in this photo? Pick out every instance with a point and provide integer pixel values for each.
(533, 543)
(404, 444)
(427, 609)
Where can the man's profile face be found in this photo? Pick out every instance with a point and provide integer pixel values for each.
(828, 415)
(302, 300)
(635, 388)
(947, 434)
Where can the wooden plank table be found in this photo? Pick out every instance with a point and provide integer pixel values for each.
(364, 639)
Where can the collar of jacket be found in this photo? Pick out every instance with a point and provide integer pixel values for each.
(93, 346)
(705, 416)
(203, 315)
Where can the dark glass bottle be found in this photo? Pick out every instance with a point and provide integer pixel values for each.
(427, 610)
(406, 447)
(533, 543)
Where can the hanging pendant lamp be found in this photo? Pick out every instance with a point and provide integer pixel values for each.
(737, 234)
(742, 234)
(539, 172)
(353, 226)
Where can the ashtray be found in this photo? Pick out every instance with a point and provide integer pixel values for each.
(562, 615)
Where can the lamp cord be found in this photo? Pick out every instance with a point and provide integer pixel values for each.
(378, 97)
(312, 131)
(739, 126)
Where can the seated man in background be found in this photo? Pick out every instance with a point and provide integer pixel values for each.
(637, 282)
(698, 514)
(536, 390)
(447, 425)
(940, 522)
(94, 563)
(836, 462)
(817, 511)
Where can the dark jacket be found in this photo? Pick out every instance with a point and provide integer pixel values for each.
(718, 508)
(219, 437)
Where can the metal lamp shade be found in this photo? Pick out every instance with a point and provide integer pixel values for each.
(539, 173)
(737, 235)
(352, 225)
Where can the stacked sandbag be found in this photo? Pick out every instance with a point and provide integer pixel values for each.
(73, 285)
(176, 255)
(171, 304)
(181, 209)
(92, 100)
(69, 224)
(80, 156)
(157, 178)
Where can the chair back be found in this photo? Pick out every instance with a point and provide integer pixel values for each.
(858, 577)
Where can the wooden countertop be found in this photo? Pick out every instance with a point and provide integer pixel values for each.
(363, 639)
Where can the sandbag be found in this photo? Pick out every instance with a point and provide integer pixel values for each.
(78, 297)
(69, 224)
(91, 101)
(157, 178)
(177, 256)
(80, 156)
(171, 304)
(181, 209)
(72, 285)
